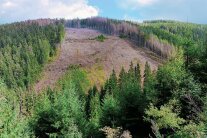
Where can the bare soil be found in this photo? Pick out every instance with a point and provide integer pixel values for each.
(81, 48)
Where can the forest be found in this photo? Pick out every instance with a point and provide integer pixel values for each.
(24, 49)
(170, 102)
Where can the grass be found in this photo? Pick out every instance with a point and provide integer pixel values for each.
(96, 75)
(77, 75)
(85, 77)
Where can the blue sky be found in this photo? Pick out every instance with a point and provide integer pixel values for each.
(136, 10)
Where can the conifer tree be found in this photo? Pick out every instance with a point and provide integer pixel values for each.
(102, 94)
(137, 73)
(147, 70)
(149, 85)
(95, 111)
(131, 99)
(63, 116)
(112, 82)
(131, 71)
(95, 115)
(111, 112)
(91, 93)
(122, 78)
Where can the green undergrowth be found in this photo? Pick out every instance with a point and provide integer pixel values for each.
(122, 36)
(85, 78)
(76, 74)
(100, 38)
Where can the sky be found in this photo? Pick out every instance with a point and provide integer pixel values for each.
(134, 10)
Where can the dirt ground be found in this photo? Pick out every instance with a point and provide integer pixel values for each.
(81, 48)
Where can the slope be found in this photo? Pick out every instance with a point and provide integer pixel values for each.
(81, 48)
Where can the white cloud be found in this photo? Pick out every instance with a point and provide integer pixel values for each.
(8, 4)
(145, 2)
(13, 10)
(78, 9)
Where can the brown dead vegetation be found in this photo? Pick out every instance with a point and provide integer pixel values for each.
(82, 49)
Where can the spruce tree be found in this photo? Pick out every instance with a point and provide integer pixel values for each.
(95, 115)
(147, 70)
(95, 111)
(122, 78)
(137, 73)
(111, 112)
(149, 85)
(112, 83)
(131, 72)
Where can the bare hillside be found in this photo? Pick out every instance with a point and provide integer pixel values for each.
(81, 48)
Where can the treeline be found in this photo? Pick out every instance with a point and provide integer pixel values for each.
(159, 21)
(124, 29)
(176, 33)
(191, 37)
(24, 49)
